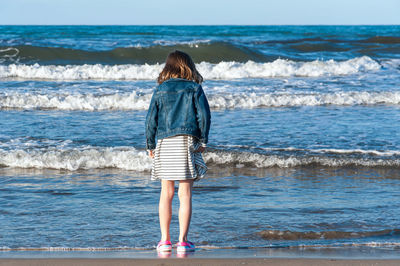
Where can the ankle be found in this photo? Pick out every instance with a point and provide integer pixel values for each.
(183, 239)
(166, 238)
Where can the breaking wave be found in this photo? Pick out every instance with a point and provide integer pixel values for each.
(74, 159)
(130, 158)
(140, 101)
(221, 70)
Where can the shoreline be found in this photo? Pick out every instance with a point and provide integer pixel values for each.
(362, 253)
(198, 261)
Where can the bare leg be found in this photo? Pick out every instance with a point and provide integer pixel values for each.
(185, 208)
(165, 207)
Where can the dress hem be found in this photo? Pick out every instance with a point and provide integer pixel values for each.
(197, 168)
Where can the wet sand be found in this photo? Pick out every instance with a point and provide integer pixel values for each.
(195, 261)
(246, 256)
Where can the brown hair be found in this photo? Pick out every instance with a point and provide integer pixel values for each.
(179, 65)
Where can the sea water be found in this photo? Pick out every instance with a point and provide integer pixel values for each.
(304, 146)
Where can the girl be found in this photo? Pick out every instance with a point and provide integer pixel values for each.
(179, 116)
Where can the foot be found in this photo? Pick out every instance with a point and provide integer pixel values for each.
(185, 246)
(164, 246)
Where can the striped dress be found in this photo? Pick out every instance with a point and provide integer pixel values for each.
(175, 159)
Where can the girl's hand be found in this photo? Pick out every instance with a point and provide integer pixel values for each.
(200, 149)
(151, 154)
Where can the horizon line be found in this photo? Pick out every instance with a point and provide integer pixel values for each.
(199, 24)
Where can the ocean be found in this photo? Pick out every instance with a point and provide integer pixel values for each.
(304, 146)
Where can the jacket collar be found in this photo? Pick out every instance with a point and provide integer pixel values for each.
(176, 79)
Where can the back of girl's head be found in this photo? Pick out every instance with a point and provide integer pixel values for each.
(179, 65)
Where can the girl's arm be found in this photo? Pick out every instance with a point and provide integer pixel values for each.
(203, 115)
(151, 123)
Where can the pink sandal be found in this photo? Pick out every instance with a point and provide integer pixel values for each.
(164, 246)
(185, 246)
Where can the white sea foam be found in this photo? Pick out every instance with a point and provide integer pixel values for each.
(330, 151)
(338, 151)
(222, 70)
(294, 244)
(266, 161)
(359, 151)
(129, 158)
(255, 100)
(79, 72)
(192, 43)
(61, 248)
(393, 63)
(138, 101)
(128, 101)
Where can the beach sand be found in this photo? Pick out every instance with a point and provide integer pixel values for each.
(248, 256)
(195, 261)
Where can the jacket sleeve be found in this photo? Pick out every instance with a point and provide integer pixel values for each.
(151, 123)
(203, 114)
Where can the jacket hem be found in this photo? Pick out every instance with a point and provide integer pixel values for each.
(189, 131)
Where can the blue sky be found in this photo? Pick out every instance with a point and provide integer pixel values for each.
(204, 12)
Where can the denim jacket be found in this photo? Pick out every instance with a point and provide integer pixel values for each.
(177, 106)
